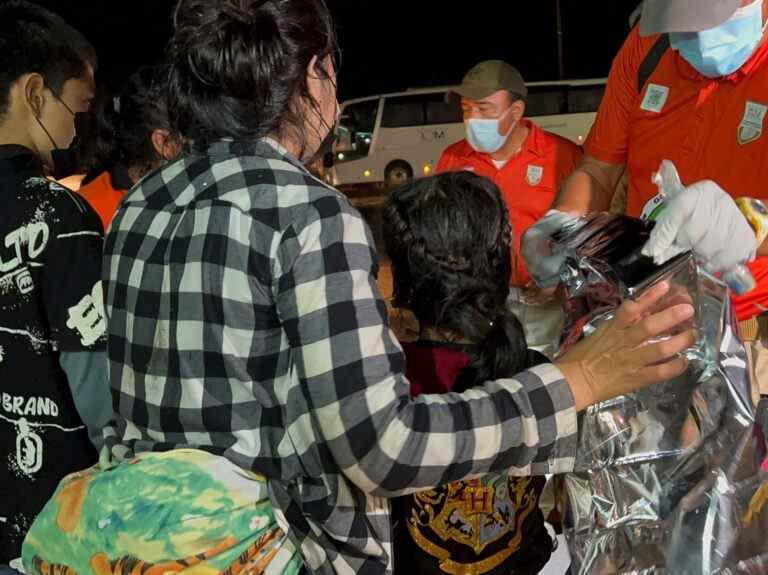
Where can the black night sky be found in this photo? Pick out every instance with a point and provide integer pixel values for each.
(391, 45)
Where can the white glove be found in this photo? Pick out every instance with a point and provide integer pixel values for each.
(536, 248)
(704, 219)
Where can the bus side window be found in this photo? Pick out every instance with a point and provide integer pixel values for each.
(546, 101)
(402, 112)
(585, 99)
(440, 111)
(428, 109)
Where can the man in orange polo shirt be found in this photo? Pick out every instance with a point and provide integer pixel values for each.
(690, 85)
(525, 162)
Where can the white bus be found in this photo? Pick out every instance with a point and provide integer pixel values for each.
(392, 138)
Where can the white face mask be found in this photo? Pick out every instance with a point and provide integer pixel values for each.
(483, 134)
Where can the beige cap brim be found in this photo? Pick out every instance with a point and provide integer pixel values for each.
(662, 16)
(475, 91)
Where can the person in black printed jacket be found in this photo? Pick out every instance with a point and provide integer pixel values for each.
(53, 380)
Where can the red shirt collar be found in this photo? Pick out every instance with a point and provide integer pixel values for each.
(535, 143)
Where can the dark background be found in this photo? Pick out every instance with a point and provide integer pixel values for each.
(392, 45)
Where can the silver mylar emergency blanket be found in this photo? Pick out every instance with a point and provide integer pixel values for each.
(667, 479)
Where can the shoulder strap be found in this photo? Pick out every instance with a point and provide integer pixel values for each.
(651, 61)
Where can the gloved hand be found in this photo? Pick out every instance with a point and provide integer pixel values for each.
(536, 248)
(704, 219)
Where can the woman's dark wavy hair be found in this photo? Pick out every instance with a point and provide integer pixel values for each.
(120, 130)
(237, 67)
(448, 237)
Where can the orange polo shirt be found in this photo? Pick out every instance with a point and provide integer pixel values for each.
(712, 129)
(529, 180)
(103, 197)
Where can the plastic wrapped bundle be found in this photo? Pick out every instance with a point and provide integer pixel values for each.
(667, 479)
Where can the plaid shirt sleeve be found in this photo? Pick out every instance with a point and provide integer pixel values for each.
(351, 373)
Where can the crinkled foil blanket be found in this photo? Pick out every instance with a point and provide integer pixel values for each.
(667, 479)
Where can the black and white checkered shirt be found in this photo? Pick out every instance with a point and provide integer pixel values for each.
(245, 319)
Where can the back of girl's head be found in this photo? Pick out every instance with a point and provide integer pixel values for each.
(449, 238)
(237, 67)
(121, 129)
(140, 109)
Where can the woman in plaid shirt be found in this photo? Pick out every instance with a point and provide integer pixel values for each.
(245, 320)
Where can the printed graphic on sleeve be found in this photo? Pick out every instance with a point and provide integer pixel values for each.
(29, 449)
(20, 249)
(23, 413)
(87, 317)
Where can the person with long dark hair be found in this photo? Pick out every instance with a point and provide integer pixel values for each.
(449, 240)
(262, 407)
(132, 137)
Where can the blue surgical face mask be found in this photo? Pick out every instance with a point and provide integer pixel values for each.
(723, 49)
(483, 134)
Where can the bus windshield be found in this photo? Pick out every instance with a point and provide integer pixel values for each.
(356, 127)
